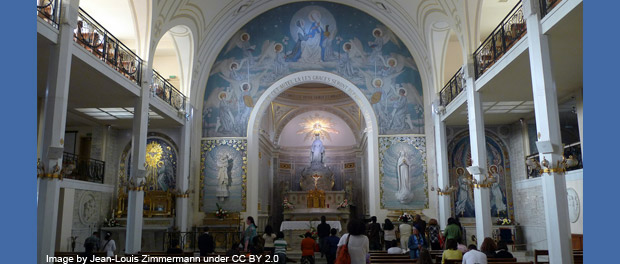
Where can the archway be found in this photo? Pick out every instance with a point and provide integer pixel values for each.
(304, 77)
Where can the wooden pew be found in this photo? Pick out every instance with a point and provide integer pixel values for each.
(577, 256)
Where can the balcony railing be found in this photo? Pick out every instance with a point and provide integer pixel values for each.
(453, 88)
(572, 152)
(500, 41)
(546, 6)
(167, 92)
(96, 39)
(49, 10)
(82, 169)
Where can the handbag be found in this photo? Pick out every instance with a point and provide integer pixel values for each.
(343, 255)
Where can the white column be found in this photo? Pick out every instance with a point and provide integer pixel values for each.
(65, 219)
(579, 98)
(443, 176)
(549, 138)
(182, 201)
(54, 130)
(135, 199)
(478, 168)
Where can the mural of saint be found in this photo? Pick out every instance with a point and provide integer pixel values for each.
(497, 196)
(464, 201)
(311, 48)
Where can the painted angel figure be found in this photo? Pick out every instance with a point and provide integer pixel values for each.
(497, 199)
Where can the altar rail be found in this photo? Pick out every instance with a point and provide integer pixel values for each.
(97, 40)
(163, 89)
(188, 241)
(453, 88)
(509, 31)
(49, 10)
(90, 170)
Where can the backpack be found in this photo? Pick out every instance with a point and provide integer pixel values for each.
(343, 255)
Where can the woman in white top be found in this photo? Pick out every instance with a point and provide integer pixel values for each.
(405, 232)
(358, 244)
(389, 234)
(269, 236)
(109, 246)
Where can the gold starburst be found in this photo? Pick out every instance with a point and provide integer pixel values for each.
(316, 125)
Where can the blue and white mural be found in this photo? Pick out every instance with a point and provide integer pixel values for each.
(402, 170)
(313, 36)
(498, 164)
(223, 175)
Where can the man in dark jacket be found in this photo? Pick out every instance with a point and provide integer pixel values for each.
(323, 231)
(205, 243)
(374, 234)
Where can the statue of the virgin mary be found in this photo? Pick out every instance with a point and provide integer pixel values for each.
(404, 193)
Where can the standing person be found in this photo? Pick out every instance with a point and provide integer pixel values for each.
(502, 250)
(250, 233)
(420, 225)
(206, 243)
(323, 232)
(88, 252)
(473, 256)
(389, 234)
(94, 240)
(488, 247)
(405, 232)
(355, 241)
(332, 246)
(269, 237)
(110, 246)
(452, 231)
(280, 248)
(433, 234)
(374, 234)
(307, 249)
(451, 251)
(425, 257)
(415, 243)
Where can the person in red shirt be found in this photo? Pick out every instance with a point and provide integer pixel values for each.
(307, 249)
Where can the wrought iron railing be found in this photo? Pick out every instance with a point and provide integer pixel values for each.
(82, 169)
(96, 39)
(167, 92)
(509, 31)
(546, 6)
(49, 10)
(572, 153)
(453, 88)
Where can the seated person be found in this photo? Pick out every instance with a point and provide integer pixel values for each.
(473, 256)
(502, 250)
(451, 251)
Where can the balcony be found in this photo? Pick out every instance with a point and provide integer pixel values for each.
(546, 6)
(572, 155)
(453, 88)
(167, 92)
(49, 10)
(83, 169)
(97, 40)
(505, 35)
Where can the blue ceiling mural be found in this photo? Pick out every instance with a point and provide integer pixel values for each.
(313, 36)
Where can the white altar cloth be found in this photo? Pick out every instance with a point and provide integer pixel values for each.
(305, 225)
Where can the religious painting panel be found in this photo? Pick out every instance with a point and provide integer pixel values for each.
(402, 172)
(223, 171)
(308, 36)
(498, 167)
(161, 164)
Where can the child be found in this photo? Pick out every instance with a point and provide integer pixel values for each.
(280, 247)
(415, 243)
(332, 246)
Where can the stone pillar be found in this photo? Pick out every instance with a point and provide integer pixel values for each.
(579, 98)
(549, 138)
(443, 175)
(182, 200)
(135, 195)
(478, 168)
(65, 219)
(54, 121)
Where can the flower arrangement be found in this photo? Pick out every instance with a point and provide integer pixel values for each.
(287, 205)
(220, 212)
(343, 204)
(503, 221)
(406, 216)
(312, 230)
(110, 222)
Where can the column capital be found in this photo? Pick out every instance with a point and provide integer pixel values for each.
(69, 13)
(530, 8)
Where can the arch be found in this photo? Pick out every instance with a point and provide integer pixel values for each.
(183, 46)
(302, 77)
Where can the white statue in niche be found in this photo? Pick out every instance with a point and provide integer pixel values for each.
(317, 151)
(223, 179)
(404, 194)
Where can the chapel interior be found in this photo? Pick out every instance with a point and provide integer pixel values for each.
(156, 119)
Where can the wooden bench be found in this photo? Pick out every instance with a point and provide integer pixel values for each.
(577, 256)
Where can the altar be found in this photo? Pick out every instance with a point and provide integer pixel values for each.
(295, 230)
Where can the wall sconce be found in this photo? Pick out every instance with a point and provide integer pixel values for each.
(446, 191)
